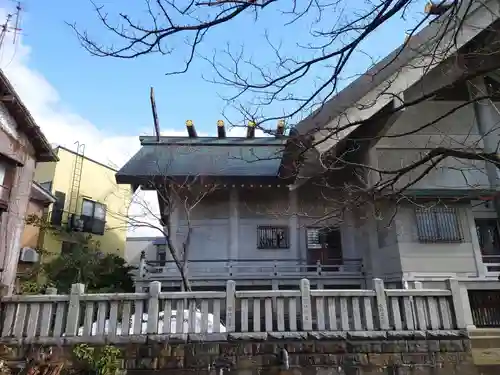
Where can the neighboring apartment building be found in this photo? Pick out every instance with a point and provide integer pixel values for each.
(88, 201)
(261, 225)
(22, 146)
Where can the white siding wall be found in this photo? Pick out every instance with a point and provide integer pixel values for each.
(386, 259)
(456, 130)
(263, 207)
(211, 226)
(439, 258)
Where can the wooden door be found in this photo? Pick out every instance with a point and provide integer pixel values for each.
(326, 248)
(332, 250)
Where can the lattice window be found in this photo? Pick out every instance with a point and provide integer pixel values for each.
(270, 237)
(438, 224)
(314, 238)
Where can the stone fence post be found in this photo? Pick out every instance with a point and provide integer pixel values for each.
(73, 317)
(230, 306)
(461, 304)
(382, 309)
(154, 307)
(305, 301)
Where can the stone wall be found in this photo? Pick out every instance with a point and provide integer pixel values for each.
(318, 353)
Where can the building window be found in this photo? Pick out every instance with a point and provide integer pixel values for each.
(315, 238)
(94, 216)
(56, 215)
(4, 190)
(7, 122)
(269, 237)
(67, 248)
(3, 171)
(161, 255)
(488, 236)
(438, 224)
(7, 172)
(94, 209)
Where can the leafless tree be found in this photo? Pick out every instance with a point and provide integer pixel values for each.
(177, 199)
(301, 76)
(337, 31)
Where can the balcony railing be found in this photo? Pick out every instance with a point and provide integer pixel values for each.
(492, 263)
(485, 308)
(248, 268)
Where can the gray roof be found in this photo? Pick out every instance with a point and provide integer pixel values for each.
(236, 157)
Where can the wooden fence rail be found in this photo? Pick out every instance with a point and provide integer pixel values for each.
(156, 312)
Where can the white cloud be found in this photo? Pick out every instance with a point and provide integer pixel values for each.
(63, 127)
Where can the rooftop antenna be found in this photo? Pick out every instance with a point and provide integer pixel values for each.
(155, 115)
(16, 22)
(5, 27)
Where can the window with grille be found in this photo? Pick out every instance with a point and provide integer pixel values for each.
(438, 224)
(270, 237)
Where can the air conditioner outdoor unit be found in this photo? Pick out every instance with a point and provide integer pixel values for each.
(76, 223)
(29, 255)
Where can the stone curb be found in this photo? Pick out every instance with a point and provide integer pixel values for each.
(246, 337)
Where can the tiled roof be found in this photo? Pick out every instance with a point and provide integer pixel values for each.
(25, 121)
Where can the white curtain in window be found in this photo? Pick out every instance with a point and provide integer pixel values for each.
(3, 169)
(87, 208)
(100, 211)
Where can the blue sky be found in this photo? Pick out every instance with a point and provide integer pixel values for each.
(113, 94)
(104, 102)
